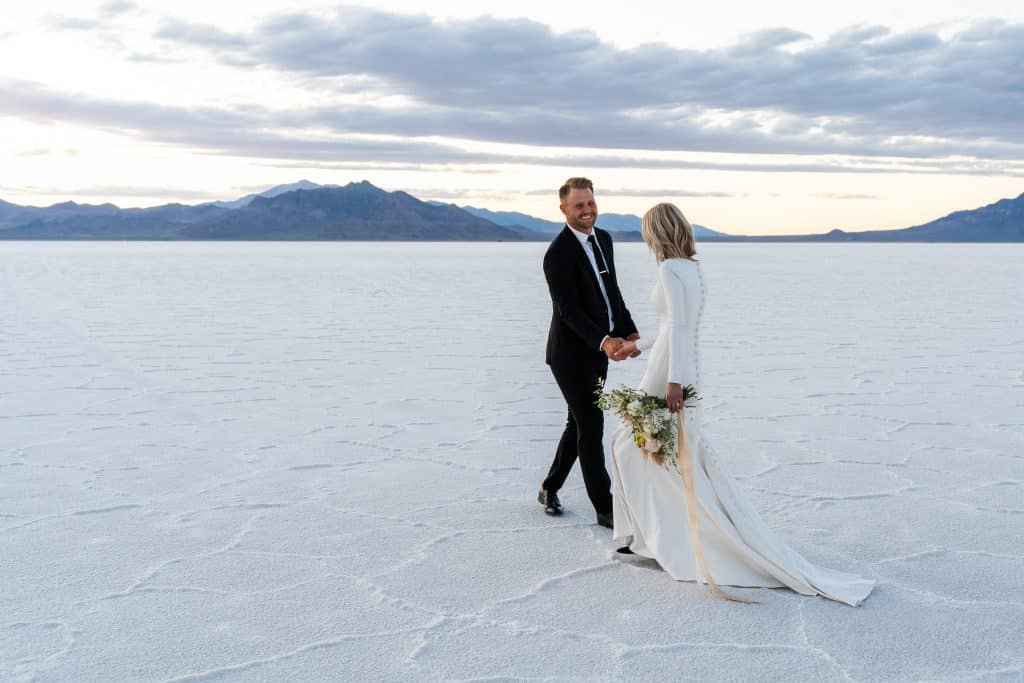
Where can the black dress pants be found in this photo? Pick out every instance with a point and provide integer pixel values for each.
(583, 435)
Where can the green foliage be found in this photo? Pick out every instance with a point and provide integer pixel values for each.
(653, 426)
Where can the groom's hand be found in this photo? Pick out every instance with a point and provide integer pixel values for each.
(612, 347)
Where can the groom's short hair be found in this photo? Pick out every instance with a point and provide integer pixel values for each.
(574, 184)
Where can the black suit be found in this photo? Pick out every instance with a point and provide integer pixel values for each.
(579, 321)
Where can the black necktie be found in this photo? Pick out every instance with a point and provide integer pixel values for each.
(602, 268)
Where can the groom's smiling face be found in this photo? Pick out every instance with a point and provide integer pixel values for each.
(580, 210)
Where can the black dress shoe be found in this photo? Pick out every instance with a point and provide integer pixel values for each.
(624, 550)
(549, 499)
(605, 519)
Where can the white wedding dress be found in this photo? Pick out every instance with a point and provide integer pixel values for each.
(649, 506)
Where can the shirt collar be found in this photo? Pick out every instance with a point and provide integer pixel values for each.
(582, 236)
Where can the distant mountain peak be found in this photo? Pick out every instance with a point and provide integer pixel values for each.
(363, 185)
(271, 192)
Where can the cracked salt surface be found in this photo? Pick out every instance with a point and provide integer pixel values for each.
(244, 462)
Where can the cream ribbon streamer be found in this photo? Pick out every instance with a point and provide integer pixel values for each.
(685, 468)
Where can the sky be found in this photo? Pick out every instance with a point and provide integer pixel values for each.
(755, 118)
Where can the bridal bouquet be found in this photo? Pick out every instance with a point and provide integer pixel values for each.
(653, 426)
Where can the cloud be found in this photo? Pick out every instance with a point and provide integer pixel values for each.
(684, 130)
(864, 90)
(835, 195)
(46, 151)
(636, 192)
(771, 38)
(206, 35)
(642, 192)
(152, 58)
(585, 161)
(309, 137)
(116, 8)
(107, 11)
(448, 193)
(382, 166)
(105, 191)
(250, 131)
(66, 23)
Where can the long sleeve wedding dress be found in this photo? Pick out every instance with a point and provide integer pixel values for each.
(650, 512)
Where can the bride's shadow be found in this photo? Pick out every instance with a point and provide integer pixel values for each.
(638, 562)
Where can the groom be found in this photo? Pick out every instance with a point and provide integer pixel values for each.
(588, 323)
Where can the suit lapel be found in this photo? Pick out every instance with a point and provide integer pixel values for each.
(584, 260)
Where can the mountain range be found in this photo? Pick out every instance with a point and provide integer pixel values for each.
(615, 222)
(362, 211)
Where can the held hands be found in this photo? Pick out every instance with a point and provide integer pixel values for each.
(617, 348)
(612, 347)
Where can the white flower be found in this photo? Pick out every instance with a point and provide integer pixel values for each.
(634, 408)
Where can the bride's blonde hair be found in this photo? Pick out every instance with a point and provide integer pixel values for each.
(667, 232)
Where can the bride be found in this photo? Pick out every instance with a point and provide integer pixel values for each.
(734, 546)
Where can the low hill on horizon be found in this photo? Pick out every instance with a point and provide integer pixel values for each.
(357, 211)
(363, 211)
(1001, 221)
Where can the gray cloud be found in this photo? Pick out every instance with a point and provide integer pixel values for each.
(247, 132)
(207, 35)
(108, 11)
(678, 131)
(257, 132)
(152, 58)
(438, 167)
(65, 23)
(116, 8)
(863, 91)
(586, 161)
(767, 39)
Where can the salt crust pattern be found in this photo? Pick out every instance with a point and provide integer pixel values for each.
(319, 461)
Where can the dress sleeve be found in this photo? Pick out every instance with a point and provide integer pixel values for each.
(675, 299)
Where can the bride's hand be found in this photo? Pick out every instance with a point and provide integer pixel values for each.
(674, 396)
(635, 349)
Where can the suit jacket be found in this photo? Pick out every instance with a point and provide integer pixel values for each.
(579, 316)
